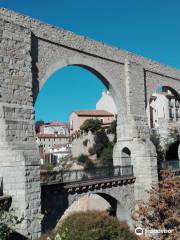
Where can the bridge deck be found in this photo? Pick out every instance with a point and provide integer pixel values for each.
(88, 179)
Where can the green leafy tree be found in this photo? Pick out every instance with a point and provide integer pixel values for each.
(101, 141)
(93, 225)
(112, 130)
(82, 158)
(156, 140)
(163, 144)
(92, 125)
(107, 155)
(38, 124)
(8, 222)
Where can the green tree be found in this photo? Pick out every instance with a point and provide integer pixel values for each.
(92, 125)
(107, 155)
(101, 141)
(38, 124)
(8, 222)
(162, 144)
(93, 225)
(82, 158)
(156, 140)
(112, 130)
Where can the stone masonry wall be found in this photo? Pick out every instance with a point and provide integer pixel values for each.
(19, 165)
(78, 146)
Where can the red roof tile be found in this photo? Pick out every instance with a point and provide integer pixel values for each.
(102, 113)
(45, 135)
(56, 123)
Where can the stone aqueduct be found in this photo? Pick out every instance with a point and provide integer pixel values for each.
(30, 51)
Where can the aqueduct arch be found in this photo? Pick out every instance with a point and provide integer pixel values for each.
(90, 66)
(120, 202)
(29, 52)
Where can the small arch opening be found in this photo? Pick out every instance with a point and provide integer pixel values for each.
(126, 156)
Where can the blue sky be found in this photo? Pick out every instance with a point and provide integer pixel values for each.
(146, 27)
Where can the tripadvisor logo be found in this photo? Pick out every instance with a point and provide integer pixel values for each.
(138, 231)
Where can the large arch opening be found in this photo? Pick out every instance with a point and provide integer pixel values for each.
(97, 201)
(49, 147)
(163, 113)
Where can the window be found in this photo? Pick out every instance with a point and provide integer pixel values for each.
(171, 114)
(177, 104)
(177, 115)
(170, 103)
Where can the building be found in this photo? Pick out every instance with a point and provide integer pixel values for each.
(79, 117)
(60, 151)
(58, 128)
(164, 109)
(51, 135)
(106, 103)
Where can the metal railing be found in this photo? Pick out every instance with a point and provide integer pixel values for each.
(87, 175)
(170, 165)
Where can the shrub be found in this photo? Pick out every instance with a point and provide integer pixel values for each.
(8, 222)
(89, 164)
(107, 155)
(38, 124)
(92, 125)
(82, 158)
(156, 140)
(101, 142)
(85, 142)
(47, 166)
(162, 208)
(112, 129)
(91, 151)
(93, 225)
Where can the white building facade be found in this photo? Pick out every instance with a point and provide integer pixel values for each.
(53, 138)
(106, 103)
(163, 110)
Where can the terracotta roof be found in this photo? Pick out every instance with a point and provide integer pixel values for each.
(93, 113)
(56, 123)
(45, 135)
